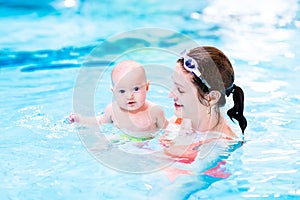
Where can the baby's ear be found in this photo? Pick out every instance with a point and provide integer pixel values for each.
(111, 88)
(147, 85)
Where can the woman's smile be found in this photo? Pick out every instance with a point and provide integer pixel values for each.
(177, 106)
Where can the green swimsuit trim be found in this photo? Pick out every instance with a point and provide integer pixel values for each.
(134, 139)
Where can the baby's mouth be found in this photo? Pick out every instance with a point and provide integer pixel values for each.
(131, 102)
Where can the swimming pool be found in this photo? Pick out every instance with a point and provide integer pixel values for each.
(43, 45)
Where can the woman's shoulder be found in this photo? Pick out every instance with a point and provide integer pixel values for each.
(228, 132)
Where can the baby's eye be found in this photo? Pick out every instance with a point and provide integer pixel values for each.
(122, 91)
(136, 89)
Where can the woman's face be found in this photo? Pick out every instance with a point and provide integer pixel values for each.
(185, 96)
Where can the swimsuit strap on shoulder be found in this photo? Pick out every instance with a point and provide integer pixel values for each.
(178, 120)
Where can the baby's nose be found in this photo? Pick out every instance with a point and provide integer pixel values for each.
(131, 95)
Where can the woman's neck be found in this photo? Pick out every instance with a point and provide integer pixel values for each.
(213, 123)
(204, 124)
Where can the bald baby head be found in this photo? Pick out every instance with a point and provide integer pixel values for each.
(128, 71)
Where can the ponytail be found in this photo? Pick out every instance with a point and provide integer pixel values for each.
(236, 112)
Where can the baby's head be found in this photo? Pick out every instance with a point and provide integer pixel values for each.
(129, 85)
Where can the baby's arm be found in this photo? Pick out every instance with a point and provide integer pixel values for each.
(106, 117)
(98, 120)
(161, 121)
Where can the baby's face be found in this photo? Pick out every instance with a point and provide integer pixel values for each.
(130, 89)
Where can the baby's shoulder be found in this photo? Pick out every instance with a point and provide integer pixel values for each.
(109, 106)
(108, 109)
(155, 109)
(153, 106)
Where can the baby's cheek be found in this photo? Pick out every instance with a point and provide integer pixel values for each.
(142, 97)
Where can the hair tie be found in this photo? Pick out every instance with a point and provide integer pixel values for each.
(230, 89)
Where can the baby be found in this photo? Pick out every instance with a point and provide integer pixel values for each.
(130, 111)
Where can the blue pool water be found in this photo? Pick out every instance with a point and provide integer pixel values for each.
(43, 45)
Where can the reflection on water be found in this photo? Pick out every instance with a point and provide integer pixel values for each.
(249, 32)
(255, 33)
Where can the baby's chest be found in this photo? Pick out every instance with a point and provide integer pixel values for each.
(139, 121)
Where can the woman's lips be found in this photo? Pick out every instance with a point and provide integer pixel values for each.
(176, 105)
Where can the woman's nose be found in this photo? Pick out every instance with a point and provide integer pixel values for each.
(172, 94)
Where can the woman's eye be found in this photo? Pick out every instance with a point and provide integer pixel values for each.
(180, 90)
(136, 89)
(122, 91)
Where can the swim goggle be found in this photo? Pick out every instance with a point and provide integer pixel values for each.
(191, 66)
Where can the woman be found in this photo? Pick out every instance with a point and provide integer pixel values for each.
(203, 77)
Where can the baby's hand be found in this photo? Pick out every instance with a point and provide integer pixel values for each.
(73, 118)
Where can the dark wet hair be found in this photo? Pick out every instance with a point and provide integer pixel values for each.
(217, 70)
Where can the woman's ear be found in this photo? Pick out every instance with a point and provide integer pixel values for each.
(213, 97)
